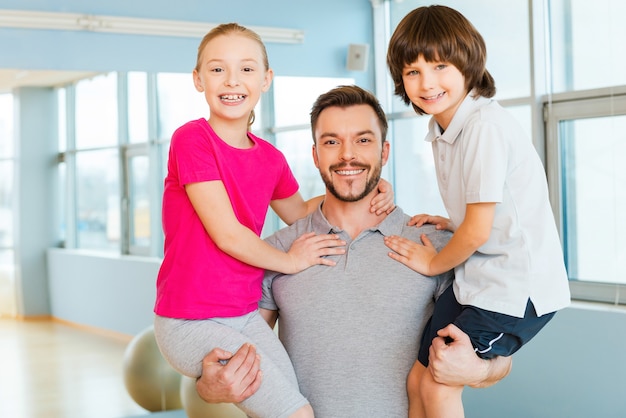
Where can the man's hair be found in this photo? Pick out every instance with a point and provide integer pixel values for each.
(347, 96)
(439, 33)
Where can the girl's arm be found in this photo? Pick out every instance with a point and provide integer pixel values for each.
(473, 232)
(211, 203)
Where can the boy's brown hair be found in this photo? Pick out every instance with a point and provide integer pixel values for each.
(439, 33)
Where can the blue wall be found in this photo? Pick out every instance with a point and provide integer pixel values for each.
(329, 27)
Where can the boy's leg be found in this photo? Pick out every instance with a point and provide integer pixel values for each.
(416, 407)
(439, 400)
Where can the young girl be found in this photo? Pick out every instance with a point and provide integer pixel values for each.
(221, 180)
(510, 276)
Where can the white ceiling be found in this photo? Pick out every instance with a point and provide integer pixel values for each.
(10, 79)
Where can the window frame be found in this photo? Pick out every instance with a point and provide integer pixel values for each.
(595, 103)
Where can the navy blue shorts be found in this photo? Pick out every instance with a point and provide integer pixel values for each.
(492, 333)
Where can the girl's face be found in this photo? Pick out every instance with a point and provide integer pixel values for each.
(232, 76)
(438, 88)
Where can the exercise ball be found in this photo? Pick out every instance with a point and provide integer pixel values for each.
(150, 381)
(195, 407)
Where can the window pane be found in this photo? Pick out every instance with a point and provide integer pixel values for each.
(62, 109)
(7, 283)
(577, 49)
(297, 147)
(6, 202)
(6, 125)
(96, 112)
(98, 199)
(508, 57)
(139, 201)
(137, 107)
(178, 102)
(62, 202)
(415, 180)
(294, 109)
(594, 176)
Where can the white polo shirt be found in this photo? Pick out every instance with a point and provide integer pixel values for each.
(485, 156)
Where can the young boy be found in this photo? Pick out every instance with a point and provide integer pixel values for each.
(510, 276)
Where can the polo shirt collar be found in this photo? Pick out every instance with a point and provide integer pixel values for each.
(469, 105)
(391, 225)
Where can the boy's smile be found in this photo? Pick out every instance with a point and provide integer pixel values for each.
(437, 88)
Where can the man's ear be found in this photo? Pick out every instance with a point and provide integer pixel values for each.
(385, 152)
(315, 157)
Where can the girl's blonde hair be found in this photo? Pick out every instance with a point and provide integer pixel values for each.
(233, 29)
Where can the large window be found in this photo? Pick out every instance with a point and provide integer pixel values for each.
(586, 146)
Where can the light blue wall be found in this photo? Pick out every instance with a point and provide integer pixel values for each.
(329, 27)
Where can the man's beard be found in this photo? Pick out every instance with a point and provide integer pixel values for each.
(371, 184)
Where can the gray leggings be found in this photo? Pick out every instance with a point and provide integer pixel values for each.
(184, 343)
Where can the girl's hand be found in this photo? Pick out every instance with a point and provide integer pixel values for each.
(413, 255)
(310, 249)
(383, 201)
(440, 222)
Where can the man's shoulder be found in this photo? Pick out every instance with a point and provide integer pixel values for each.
(439, 238)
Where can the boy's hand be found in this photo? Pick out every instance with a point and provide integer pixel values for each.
(440, 222)
(413, 255)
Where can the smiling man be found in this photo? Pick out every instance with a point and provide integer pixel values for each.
(352, 330)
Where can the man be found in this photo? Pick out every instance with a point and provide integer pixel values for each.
(352, 330)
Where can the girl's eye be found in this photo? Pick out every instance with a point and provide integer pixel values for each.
(441, 66)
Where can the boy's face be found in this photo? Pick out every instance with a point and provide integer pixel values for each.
(438, 88)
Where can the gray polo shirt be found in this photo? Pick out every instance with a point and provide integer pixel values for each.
(353, 330)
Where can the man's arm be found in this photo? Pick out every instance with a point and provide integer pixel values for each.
(232, 382)
(456, 363)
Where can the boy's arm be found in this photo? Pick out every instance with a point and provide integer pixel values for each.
(473, 232)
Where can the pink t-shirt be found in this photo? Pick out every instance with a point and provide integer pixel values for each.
(196, 279)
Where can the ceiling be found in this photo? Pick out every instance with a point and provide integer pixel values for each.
(10, 79)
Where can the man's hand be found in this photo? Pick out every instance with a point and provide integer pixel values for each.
(456, 363)
(233, 381)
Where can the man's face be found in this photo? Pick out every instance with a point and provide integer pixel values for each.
(349, 151)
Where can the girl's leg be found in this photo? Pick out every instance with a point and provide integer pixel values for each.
(184, 344)
(416, 408)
